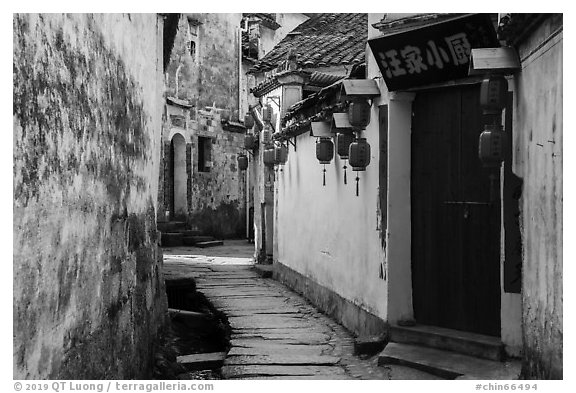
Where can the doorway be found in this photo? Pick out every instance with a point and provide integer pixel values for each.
(455, 208)
(179, 182)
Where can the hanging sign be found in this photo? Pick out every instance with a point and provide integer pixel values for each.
(432, 53)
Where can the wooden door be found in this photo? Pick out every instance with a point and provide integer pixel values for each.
(455, 215)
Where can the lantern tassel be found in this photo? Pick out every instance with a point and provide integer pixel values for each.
(345, 181)
(324, 176)
(357, 180)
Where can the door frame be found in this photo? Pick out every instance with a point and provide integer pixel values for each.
(398, 232)
(458, 285)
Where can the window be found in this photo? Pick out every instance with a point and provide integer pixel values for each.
(193, 39)
(192, 49)
(204, 154)
(178, 121)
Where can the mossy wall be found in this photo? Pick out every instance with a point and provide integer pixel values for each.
(89, 298)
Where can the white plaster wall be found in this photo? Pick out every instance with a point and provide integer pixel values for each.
(538, 160)
(287, 22)
(327, 233)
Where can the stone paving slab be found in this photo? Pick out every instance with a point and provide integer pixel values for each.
(300, 377)
(282, 359)
(275, 333)
(261, 342)
(244, 371)
(268, 348)
(268, 311)
(299, 331)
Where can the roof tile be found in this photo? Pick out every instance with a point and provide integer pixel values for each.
(322, 40)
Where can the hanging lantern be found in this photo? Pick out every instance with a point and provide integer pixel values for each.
(242, 161)
(343, 142)
(324, 154)
(248, 121)
(491, 145)
(493, 95)
(267, 113)
(266, 135)
(359, 154)
(359, 113)
(280, 154)
(268, 156)
(359, 157)
(249, 141)
(324, 150)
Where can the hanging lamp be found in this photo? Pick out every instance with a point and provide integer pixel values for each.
(359, 157)
(343, 141)
(324, 154)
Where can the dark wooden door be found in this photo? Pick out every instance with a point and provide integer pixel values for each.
(455, 215)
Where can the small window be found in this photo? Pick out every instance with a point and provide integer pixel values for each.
(192, 48)
(193, 39)
(204, 154)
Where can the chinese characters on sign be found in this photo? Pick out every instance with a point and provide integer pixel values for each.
(436, 56)
(434, 53)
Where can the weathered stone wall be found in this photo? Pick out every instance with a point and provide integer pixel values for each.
(538, 161)
(217, 197)
(210, 83)
(88, 294)
(212, 78)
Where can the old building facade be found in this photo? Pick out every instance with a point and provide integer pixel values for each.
(89, 299)
(199, 181)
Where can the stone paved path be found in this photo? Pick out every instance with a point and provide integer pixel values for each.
(276, 334)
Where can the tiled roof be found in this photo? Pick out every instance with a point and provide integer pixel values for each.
(249, 47)
(318, 79)
(324, 40)
(268, 20)
(391, 25)
(513, 27)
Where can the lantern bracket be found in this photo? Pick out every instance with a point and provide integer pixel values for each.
(289, 140)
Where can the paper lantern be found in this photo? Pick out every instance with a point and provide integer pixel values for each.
(269, 157)
(249, 141)
(280, 154)
(248, 121)
(324, 150)
(359, 113)
(359, 154)
(242, 161)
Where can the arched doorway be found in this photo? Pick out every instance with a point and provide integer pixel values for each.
(178, 203)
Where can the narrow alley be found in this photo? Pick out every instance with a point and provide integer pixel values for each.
(275, 333)
(247, 196)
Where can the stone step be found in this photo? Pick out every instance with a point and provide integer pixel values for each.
(447, 364)
(467, 343)
(190, 232)
(192, 240)
(265, 271)
(202, 361)
(283, 358)
(369, 345)
(212, 243)
(170, 239)
(171, 226)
